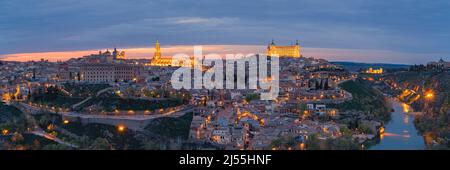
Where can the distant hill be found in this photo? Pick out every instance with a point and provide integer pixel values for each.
(352, 66)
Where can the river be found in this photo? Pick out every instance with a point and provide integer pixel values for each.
(400, 132)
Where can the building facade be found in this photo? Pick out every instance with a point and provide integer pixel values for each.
(68, 73)
(284, 51)
(374, 71)
(440, 64)
(110, 72)
(165, 61)
(106, 57)
(158, 60)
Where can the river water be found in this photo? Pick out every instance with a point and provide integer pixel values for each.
(400, 132)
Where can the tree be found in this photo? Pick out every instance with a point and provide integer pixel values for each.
(276, 143)
(342, 143)
(36, 145)
(17, 138)
(302, 107)
(100, 144)
(83, 142)
(313, 142)
(345, 130)
(365, 128)
(56, 147)
(150, 145)
(44, 120)
(291, 142)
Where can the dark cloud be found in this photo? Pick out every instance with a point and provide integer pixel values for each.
(408, 26)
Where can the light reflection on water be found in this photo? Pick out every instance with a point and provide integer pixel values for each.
(400, 133)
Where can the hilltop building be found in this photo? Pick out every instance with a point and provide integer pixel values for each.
(106, 57)
(284, 51)
(440, 64)
(158, 60)
(374, 71)
(163, 61)
(68, 73)
(111, 72)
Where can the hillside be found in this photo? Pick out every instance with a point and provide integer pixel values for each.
(434, 124)
(352, 66)
(366, 99)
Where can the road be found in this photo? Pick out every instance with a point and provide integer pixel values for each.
(89, 98)
(174, 113)
(40, 132)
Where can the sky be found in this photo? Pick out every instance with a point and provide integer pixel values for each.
(382, 31)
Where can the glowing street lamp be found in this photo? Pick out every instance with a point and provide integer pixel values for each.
(302, 146)
(5, 132)
(121, 128)
(429, 95)
(66, 122)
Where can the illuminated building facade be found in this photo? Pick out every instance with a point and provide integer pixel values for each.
(374, 71)
(107, 56)
(108, 73)
(163, 61)
(118, 55)
(159, 60)
(284, 51)
(6, 97)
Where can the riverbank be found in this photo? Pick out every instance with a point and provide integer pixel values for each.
(400, 132)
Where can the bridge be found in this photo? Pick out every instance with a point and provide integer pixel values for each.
(134, 122)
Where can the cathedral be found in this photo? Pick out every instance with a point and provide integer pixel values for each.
(284, 51)
(159, 60)
(106, 57)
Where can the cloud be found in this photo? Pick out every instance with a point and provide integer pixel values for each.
(408, 27)
(200, 20)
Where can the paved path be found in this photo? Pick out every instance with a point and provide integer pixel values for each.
(40, 132)
(89, 98)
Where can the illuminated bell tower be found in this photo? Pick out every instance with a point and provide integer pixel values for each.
(157, 54)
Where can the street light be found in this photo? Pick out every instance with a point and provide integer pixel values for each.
(121, 128)
(429, 95)
(5, 132)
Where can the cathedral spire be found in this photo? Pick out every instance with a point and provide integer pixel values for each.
(157, 50)
(157, 44)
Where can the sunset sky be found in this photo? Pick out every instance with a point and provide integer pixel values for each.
(383, 31)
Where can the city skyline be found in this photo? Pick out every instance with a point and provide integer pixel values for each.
(331, 54)
(360, 31)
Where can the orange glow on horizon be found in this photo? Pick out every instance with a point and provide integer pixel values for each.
(332, 54)
(135, 53)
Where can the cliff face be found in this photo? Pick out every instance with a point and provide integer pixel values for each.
(427, 92)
